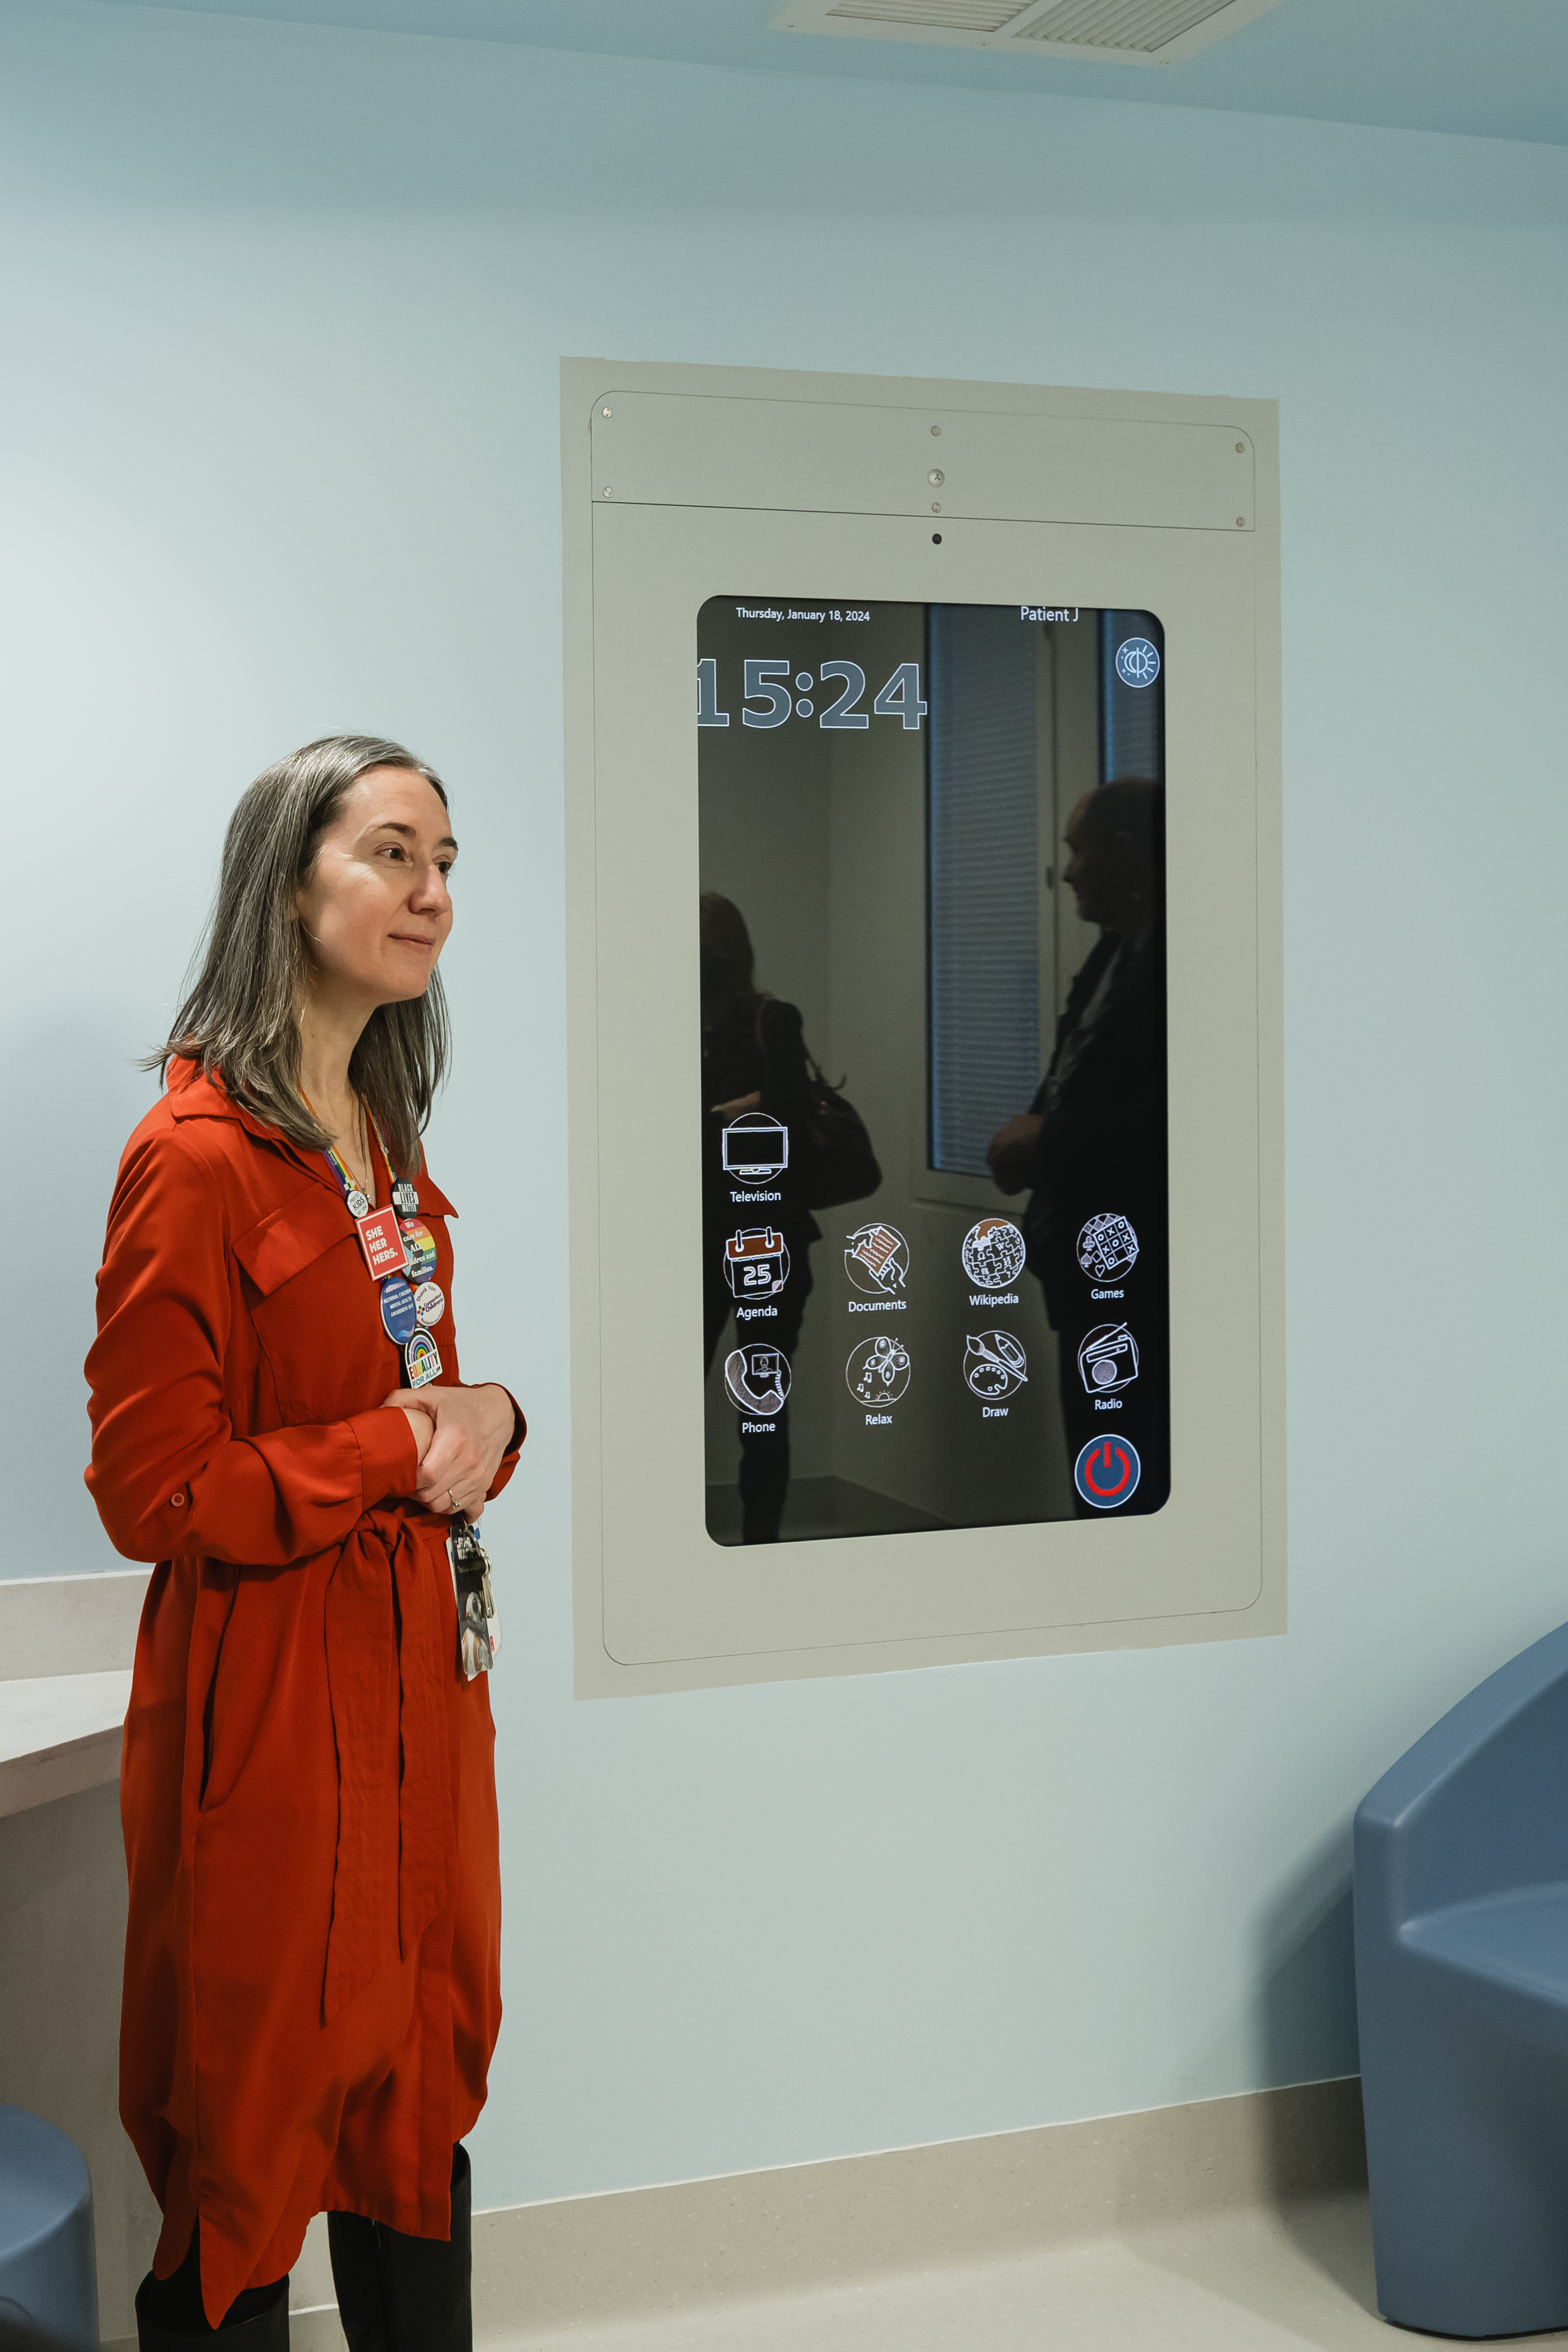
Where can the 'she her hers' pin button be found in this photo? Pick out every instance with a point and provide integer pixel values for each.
(382, 1243)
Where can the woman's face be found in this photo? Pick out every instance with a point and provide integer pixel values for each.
(374, 905)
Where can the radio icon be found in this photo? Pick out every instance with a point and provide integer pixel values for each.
(1108, 1358)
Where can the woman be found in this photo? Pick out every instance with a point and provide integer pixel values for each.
(312, 1954)
(753, 1058)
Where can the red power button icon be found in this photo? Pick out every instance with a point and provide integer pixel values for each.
(1107, 1472)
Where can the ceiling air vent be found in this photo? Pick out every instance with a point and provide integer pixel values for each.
(1119, 32)
(932, 15)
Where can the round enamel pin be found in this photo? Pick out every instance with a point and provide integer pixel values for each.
(399, 1311)
(421, 1243)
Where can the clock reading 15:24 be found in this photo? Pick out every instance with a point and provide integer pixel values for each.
(786, 692)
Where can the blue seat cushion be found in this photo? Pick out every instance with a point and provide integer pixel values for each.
(1507, 1952)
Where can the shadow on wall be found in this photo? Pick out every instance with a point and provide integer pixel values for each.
(75, 1072)
(1307, 2022)
(1298, 2025)
(1308, 2173)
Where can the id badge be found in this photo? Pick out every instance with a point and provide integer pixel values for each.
(479, 1627)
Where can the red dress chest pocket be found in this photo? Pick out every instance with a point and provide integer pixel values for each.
(316, 1310)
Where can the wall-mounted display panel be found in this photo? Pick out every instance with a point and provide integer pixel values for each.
(924, 928)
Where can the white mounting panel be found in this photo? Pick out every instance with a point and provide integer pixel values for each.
(683, 483)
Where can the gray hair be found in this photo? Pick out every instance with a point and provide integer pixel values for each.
(241, 1019)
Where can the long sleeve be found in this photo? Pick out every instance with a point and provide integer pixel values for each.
(168, 1475)
(507, 1462)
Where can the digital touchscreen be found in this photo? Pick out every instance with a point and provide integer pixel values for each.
(933, 1065)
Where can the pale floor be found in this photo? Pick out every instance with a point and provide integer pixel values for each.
(1244, 2281)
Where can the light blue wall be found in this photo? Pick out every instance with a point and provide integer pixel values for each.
(282, 311)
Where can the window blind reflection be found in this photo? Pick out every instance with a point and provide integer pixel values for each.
(983, 908)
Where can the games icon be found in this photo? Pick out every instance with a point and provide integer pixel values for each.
(756, 1263)
(994, 1365)
(877, 1259)
(756, 1380)
(1107, 1248)
(877, 1371)
(755, 1148)
(993, 1253)
(1108, 1358)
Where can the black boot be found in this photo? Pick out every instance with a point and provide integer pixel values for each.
(168, 2313)
(399, 2294)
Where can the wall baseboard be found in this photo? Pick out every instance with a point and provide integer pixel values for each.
(639, 2253)
(646, 2252)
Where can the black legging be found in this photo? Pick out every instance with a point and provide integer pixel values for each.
(395, 2292)
(171, 2308)
(398, 2294)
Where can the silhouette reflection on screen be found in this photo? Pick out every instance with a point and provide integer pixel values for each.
(756, 1268)
(1090, 1149)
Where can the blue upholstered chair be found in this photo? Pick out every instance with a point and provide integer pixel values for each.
(48, 2280)
(1461, 1956)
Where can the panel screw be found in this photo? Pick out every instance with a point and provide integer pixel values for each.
(936, 506)
(1240, 446)
(935, 474)
(606, 490)
(1240, 519)
(604, 412)
(936, 429)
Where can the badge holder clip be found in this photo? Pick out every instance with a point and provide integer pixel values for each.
(479, 1627)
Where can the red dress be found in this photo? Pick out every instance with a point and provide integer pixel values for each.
(308, 1787)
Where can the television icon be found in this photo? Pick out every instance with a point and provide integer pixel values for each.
(756, 1149)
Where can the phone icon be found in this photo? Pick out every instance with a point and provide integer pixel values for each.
(756, 1380)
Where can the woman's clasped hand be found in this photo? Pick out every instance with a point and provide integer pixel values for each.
(462, 1435)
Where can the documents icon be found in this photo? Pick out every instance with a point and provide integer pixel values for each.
(756, 1263)
(877, 1259)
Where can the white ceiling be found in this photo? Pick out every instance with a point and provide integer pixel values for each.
(1498, 69)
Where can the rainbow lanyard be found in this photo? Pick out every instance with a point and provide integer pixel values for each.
(358, 1201)
(400, 1255)
(400, 1252)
